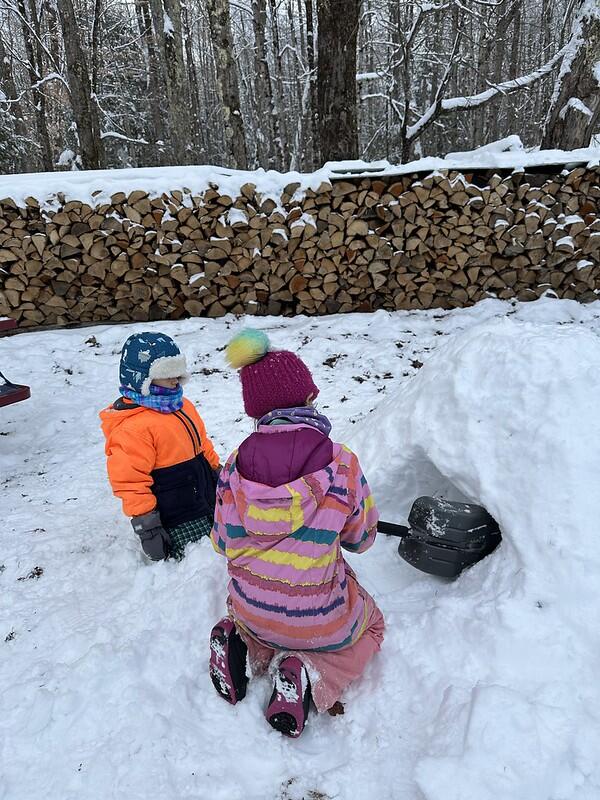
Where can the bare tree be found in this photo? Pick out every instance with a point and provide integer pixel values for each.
(28, 16)
(171, 39)
(267, 122)
(14, 130)
(338, 22)
(85, 109)
(312, 68)
(154, 85)
(575, 110)
(227, 82)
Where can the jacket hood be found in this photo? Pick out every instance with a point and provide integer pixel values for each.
(111, 418)
(274, 512)
(278, 454)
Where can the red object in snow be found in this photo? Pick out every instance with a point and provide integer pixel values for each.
(12, 392)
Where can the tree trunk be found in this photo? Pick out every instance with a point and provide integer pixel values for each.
(503, 22)
(484, 51)
(279, 126)
(95, 43)
(514, 68)
(295, 60)
(48, 9)
(15, 112)
(194, 86)
(338, 30)
(34, 71)
(575, 109)
(310, 54)
(407, 73)
(177, 85)
(154, 82)
(227, 81)
(85, 109)
(266, 149)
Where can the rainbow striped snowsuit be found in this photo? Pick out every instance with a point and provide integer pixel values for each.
(290, 587)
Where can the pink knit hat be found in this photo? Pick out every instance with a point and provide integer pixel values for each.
(270, 378)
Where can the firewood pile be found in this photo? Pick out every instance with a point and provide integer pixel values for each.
(412, 242)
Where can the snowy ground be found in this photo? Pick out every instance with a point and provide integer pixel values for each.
(485, 689)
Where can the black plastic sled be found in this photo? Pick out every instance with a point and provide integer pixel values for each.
(444, 537)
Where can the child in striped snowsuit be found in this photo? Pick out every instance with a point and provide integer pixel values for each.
(288, 500)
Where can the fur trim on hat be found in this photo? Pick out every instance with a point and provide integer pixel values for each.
(166, 367)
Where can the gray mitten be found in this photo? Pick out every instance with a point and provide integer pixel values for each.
(156, 542)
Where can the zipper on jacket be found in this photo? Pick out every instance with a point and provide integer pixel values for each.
(189, 433)
(189, 419)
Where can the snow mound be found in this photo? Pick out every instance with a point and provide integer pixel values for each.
(506, 414)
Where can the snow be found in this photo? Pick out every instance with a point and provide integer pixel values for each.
(577, 105)
(285, 688)
(566, 241)
(507, 153)
(505, 415)
(367, 76)
(281, 232)
(485, 689)
(168, 28)
(66, 158)
(303, 221)
(235, 215)
(510, 144)
(121, 137)
(95, 187)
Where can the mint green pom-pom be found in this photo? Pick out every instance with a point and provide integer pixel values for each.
(248, 347)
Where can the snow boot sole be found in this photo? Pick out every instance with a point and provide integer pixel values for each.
(227, 666)
(289, 705)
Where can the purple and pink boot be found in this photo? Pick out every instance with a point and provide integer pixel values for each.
(288, 708)
(227, 665)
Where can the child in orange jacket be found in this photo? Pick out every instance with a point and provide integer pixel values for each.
(161, 464)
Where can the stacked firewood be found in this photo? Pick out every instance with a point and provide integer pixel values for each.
(442, 241)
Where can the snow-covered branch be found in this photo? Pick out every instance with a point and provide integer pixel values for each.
(53, 76)
(450, 104)
(122, 137)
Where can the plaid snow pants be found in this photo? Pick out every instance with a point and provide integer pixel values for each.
(187, 532)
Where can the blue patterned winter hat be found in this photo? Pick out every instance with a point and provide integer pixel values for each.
(149, 356)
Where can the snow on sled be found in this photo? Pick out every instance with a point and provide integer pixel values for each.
(444, 537)
(12, 392)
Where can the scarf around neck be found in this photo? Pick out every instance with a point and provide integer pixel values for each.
(300, 415)
(160, 399)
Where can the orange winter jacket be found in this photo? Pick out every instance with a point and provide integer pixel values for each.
(159, 459)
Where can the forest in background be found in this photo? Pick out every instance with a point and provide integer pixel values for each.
(289, 84)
